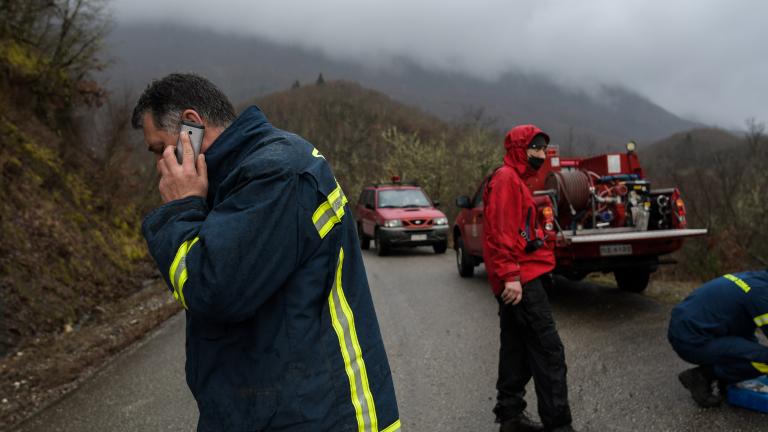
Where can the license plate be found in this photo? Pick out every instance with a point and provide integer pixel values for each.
(615, 250)
(418, 237)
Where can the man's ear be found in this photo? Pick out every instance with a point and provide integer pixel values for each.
(192, 116)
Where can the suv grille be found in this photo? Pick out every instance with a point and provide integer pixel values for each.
(417, 223)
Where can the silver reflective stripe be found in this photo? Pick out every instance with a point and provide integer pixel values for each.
(330, 212)
(324, 219)
(343, 323)
(177, 274)
(338, 203)
(179, 270)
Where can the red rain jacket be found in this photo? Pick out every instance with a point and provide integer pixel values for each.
(508, 201)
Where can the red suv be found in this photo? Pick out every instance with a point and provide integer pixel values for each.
(400, 214)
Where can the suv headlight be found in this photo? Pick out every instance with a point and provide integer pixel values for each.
(393, 223)
(441, 221)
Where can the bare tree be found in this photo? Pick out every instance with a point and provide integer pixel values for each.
(754, 136)
(62, 38)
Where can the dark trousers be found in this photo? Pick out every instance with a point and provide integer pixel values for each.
(531, 348)
(732, 358)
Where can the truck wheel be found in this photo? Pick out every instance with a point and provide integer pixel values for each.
(463, 261)
(575, 276)
(634, 280)
(381, 248)
(365, 242)
(440, 247)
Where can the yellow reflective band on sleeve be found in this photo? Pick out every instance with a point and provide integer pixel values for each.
(330, 212)
(343, 322)
(762, 367)
(316, 153)
(761, 320)
(178, 272)
(743, 285)
(394, 427)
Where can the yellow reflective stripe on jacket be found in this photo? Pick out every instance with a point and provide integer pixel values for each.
(762, 367)
(316, 153)
(761, 320)
(394, 427)
(178, 273)
(343, 322)
(743, 285)
(330, 212)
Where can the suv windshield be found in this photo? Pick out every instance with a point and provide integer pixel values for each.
(399, 198)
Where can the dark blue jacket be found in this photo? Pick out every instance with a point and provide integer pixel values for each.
(732, 305)
(281, 328)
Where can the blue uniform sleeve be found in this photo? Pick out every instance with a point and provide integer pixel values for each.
(223, 264)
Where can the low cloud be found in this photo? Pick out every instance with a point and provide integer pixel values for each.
(699, 59)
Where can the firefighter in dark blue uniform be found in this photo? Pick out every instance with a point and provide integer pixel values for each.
(715, 327)
(281, 328)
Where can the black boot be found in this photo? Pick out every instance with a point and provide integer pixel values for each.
(699, 381)
(520, 423)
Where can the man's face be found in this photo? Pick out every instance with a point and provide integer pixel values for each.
(157, 139)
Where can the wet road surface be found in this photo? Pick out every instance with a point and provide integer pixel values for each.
(441, 333)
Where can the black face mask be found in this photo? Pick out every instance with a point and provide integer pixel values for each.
(535, 162)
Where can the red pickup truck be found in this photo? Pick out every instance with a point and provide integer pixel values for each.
(602, 214)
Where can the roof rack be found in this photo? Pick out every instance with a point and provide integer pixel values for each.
(396, 182)
(406, 183)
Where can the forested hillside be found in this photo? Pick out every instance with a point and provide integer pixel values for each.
(368, 137)
(71, 255)
(723, 179)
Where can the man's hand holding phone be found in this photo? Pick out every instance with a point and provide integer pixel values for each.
(190, 178)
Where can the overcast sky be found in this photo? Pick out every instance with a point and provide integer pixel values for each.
(706, 60)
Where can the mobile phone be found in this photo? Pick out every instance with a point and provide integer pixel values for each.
(195, 132)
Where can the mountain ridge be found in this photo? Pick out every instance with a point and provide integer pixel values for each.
(250, 67)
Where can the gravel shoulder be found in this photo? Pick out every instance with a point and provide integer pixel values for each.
(48, 368)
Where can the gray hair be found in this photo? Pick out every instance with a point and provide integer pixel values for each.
(168, 97)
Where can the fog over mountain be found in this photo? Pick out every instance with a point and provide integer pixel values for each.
(699, 59)
(248, 66)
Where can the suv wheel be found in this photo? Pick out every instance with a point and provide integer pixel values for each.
(440, 247)
(381, 248)
(365, 242)
(632, 280)
(463, 260)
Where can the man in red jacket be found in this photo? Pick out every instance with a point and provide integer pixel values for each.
(519, 260)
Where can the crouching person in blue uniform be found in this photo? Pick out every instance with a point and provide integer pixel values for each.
(714, 328)
(256, 242)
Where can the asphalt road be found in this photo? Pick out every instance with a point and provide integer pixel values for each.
(441, 334)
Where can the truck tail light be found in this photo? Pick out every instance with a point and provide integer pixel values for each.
(679, 210)
(549, 219)
(680, 205)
